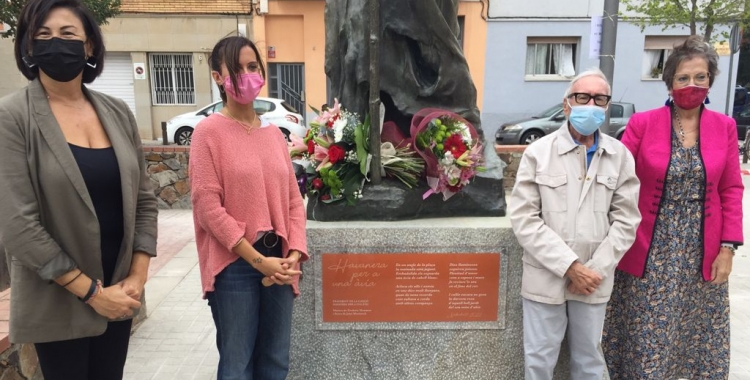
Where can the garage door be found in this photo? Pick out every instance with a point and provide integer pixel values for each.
(117, 78)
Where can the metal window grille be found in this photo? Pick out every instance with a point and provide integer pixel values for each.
(287, 81)
(172, 79)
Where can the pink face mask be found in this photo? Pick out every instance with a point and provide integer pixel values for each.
(689, 97)
(249, 85)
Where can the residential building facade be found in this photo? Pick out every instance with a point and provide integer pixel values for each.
(157, 56)
(157, 59)
(535, 47)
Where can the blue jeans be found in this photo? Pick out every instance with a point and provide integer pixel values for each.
(253, 322)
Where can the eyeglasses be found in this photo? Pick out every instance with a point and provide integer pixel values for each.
(584, 98)
(699, 79)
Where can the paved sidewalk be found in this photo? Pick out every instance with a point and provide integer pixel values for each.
(177, 339)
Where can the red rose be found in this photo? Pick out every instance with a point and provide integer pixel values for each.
(317, 184)
(336, 153)
(455, 144)
(311, 147)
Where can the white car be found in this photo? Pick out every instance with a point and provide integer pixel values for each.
(275, 111)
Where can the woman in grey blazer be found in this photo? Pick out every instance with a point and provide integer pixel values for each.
(78, 211)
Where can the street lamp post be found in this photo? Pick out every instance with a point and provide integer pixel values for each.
(609, 42)
(609, 39)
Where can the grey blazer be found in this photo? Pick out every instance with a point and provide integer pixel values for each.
(47, 220)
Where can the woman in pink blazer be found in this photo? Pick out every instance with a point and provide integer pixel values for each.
(668, 317)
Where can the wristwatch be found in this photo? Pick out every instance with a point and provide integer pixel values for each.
(730, 247)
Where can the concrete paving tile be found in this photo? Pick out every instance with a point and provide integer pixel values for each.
(168, 371)
(204, 376)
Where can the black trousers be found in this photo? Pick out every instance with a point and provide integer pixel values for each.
(95, 358)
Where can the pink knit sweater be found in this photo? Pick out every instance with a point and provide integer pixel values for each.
(241, 184)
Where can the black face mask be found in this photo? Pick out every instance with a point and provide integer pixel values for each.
(62, 60)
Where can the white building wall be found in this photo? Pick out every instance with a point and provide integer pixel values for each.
(544, 8)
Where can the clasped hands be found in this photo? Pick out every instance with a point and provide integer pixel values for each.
(120, 300)
(583, 280)
(278, 271)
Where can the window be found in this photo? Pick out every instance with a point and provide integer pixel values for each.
(172, 79)
(289, 107)
(655, 53)
(615, 111)
(551, 58)
(262, 106)
(740, 97)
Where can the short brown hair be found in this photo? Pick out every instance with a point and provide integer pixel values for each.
(31, 19)
(227, 51)
(693, 47)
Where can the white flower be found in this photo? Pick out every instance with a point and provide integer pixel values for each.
(447, 159)
(465, 133)
(338, 129)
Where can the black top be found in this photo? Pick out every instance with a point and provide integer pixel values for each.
(101, 173)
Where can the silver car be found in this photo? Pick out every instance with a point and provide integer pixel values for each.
(526, 131)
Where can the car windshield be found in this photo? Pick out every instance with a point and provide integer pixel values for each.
(549, 113)
(288, 107)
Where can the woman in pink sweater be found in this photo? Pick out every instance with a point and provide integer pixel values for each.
(668, 317)
(249, 221)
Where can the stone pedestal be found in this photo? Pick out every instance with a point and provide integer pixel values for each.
(392, 200)
(409, 351)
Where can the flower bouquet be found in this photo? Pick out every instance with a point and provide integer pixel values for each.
(451, 149)
(335, 148)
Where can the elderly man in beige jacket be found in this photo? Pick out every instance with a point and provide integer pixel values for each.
(574, 210)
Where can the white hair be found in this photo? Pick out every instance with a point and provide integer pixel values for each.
(592, 72)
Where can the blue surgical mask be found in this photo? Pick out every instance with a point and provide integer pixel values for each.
(586, 119)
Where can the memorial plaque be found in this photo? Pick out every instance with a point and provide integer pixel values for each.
(410, 287)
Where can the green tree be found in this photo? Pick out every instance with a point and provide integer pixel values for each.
(101, 9)
(703, 14)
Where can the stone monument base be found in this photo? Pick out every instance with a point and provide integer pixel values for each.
(409, 349)
(392, 200)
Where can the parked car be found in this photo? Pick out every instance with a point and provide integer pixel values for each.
(526, 131)
(742, 117)
(276, 111)
(741, 100)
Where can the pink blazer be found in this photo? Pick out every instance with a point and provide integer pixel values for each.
(648, 136)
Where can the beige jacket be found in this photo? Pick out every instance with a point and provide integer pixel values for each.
(49, 224)
(561, 212)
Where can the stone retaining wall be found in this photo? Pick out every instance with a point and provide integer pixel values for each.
(168, 170)
(19, 362)
(511, 155)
